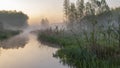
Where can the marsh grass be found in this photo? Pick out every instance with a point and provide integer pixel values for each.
(79, 52)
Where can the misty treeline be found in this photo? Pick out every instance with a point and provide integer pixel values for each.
(94, 20)
(44, 23)
(77, 13)
(12, 20)
(11, 23)
(74, 12)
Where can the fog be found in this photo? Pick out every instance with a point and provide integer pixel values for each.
(25, 51)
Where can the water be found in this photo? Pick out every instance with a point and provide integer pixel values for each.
(24, 51)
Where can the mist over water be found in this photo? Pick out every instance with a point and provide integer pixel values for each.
(25, 51)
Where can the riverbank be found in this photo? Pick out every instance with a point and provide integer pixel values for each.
(7, 34)
(79, 53)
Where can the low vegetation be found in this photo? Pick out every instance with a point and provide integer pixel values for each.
(7, 34)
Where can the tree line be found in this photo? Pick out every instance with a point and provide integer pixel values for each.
(74, 12)
(10, 19)
(94, 20)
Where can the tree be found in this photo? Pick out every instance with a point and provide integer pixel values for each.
(95, 5)
(13, 19)
(66, 8)
(44, 23)
(88, 9)
(80, 9)
(104, 6)
(72, 14)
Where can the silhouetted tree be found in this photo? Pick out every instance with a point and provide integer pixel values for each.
(104, 6)
(44, 23)
(72, 14)
(80, 9)
(13, 18)
(96, 5)
(89, 10)
(66, 8)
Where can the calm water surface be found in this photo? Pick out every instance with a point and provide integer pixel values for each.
(28, 54)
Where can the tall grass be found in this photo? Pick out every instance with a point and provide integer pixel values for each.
(98, 48)
(81, 52)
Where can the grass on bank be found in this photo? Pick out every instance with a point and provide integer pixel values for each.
(78, 53)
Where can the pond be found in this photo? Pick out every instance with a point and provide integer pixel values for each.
(24, 51)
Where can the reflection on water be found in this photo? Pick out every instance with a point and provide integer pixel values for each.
(33, 55)
(14, 42)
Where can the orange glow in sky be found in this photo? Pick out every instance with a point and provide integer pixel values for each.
(37, 9)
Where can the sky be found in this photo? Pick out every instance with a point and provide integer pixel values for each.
(37, 9)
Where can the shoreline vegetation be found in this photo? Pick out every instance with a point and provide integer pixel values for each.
(77, 52)
(11, 23)
(91, 38)
(7, 34)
